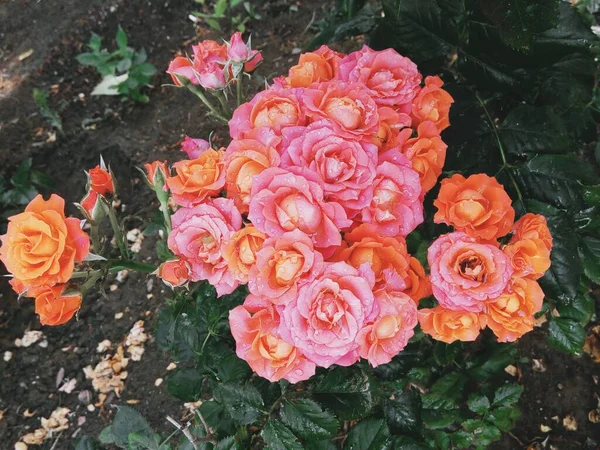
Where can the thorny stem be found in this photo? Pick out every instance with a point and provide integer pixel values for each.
(238, 87)
(95, 238)
(118, 265)
(95, 276)
(213, 109)
(225, 107)
(114, 223)
(163, 198)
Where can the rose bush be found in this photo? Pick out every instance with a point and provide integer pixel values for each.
(308, 292)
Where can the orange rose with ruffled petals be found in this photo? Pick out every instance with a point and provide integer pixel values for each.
(240, 252)
(510, 316)
(427, 153)
(310, 68)
(174, 273)
(41, 245)
(432, 103)
(478, 206)
(197, 179)
(448, 326)
(101, 181)
(528, 257)
(533, 226)
(55, 305)
(417, 282)
(382, 254)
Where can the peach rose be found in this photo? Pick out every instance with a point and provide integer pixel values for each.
(477, 205)
(510, 316)
(197, 179)
(246, 158)
(393, 129)
(417, 281)
(275, 108)
(465, 273)
(528, 257)
(198, 236)
(382, 254)
(254, 326)
(174, 273)
(157, 171)
(182, 67)
(427, 154)
(389, 333)
(448, 326)
(101, 181)
(241, 250)
(324, 320)
(345, 167)
(41, 245)
(391, 79)
(347, 105)
(533, 226)
(281, 264)
(396, 207)
(312, 67)
(55, 305)
(282, 201)
(432, 103)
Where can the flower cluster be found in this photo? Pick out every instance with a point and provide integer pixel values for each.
(324, 177)
(477, 281)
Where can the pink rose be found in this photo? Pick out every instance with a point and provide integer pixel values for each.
(182, 67)
(389, 333)
(347, 105)
(237, 50)
(281, 264)
(194, 147)
(208, 51)
(212, 76)
(275, 108)
(329, 312)
(198, 236)
(282, 201)
(465, 273)
(254, 327)
(396, 207)
(345, 167)
(391, 79)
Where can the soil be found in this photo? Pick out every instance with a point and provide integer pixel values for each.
(128, 135)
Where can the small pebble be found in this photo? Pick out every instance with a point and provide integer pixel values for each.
(158, 382)
(7, 356)
(21, 446)
(171, 366)
(119, 315)
(545, 429)
(91, 408)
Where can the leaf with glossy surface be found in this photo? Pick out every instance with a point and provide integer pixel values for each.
(403, 413)
(478, 403)
(243, 402)
(507, 395)
(566, 334)
(589, 249)
(277, 436)
(185, 384)
(308, 419)
(369, 434)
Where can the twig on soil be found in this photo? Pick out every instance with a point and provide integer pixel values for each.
(515, 438)
(312, 20)
(56, 441)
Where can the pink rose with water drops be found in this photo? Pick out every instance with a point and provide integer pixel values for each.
(197, 237)
(255, 328)
(194, 147)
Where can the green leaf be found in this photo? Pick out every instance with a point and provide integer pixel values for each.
(220, 7)
(320, 445)
(555, 179)
(439, 418)
(462, 439)
(591, 195)
(527, 129)
(95, 42)
(445, 392)
(401, 364)
(580, 309)
(243, 402)
(277, 436)
(492, 362)
(147, 69)
(307, 419)
(520, 22)
(403, 413)
(126, 421)
(87, 443)
(348, 392)
(478, 403)
(107, 436)
(217, 418)
(162, 251)
(121, 38)
(185, 384)
(144, 440)
(504, 417)
(567, 335)
(87, 59)
(507, 395)
(228, 443)
(589, 249)
(124, 65)
(198, 432)
(369, 434)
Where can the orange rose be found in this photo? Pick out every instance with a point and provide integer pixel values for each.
(240, 251)
(418, 285)
(174, 273)
(533, 226)
(154, 168)
(197, 179)
(54, 305)
(101, 181)
(448, 326)
(246, 158)
(382, 254)
(41, 245)
(478, 206)
(432, 103)
(510, 316)
(310, 68)
(427, 153)
(528, 257)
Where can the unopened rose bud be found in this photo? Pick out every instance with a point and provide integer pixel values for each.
(182, 67)
(237, 50)
(212, 77)
(174, 273)
(194, 147)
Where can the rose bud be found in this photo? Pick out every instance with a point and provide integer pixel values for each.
(237, 50)
(182, 68)
(174, 273)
